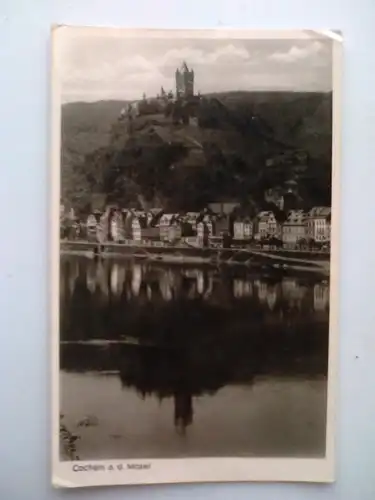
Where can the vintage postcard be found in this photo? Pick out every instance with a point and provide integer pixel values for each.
(195, 211)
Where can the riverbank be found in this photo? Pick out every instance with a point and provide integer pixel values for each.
(185, 255)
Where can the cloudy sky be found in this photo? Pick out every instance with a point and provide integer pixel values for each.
(96, 67)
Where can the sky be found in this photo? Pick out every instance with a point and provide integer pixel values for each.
(101, 67)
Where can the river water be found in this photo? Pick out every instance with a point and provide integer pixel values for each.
(159, 361)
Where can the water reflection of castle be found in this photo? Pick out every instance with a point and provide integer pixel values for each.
(164, 284)
(169, 352)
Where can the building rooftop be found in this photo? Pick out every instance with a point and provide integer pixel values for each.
(320, 212)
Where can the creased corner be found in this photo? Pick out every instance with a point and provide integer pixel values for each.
(334, 35)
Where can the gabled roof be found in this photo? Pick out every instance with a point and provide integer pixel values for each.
(142, 221)
(244, 218)
(320, 212)
(169, 218)
(265, 215)
(156, 214)
(296, 218)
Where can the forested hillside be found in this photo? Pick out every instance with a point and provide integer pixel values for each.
(236, 146)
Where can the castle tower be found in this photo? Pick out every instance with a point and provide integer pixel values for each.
(184, 81)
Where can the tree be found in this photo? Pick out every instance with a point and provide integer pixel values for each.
(275, 242)
(301, 243)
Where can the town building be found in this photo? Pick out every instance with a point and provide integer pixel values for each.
(209, 220)
(294, 229)
(117, 226)
(153, 216)
(174, 232)
(243, 228)
(267, 226)
(166, 221)
(92, 221)
(328, 228)
(318, 224)
(222, 225)
(103, 231)
(203, 234)
(67, 213)
(192, 218)
(141, 232)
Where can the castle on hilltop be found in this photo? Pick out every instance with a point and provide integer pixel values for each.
(184, 86)
(182, 96)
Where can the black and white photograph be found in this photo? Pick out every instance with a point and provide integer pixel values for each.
(194, 236)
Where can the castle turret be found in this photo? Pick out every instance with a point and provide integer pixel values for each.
(184, 81)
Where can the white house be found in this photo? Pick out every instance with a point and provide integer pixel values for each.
(209, 221)
(318, 223)
(117, 227)
(294, 228)
(203, 232)
(137, 224)
(243, 229)
(91, 222)
(174, 232)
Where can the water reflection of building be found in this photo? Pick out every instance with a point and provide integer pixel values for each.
(204, 283)
(292, 291)
(166, 284)
(117, 279)
(147, 283)
(136, 279)
(102, 279)
(91, 277)
(267, 294)
(261, 288)
(271, 297)
(242, 288)
(179, 354)
(321, 297)
(73, 275)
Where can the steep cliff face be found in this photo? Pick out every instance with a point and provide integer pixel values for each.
(233, 146)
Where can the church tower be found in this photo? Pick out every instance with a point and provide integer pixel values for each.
(184, 81)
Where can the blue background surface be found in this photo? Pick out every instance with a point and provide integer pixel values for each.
(24, 141)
